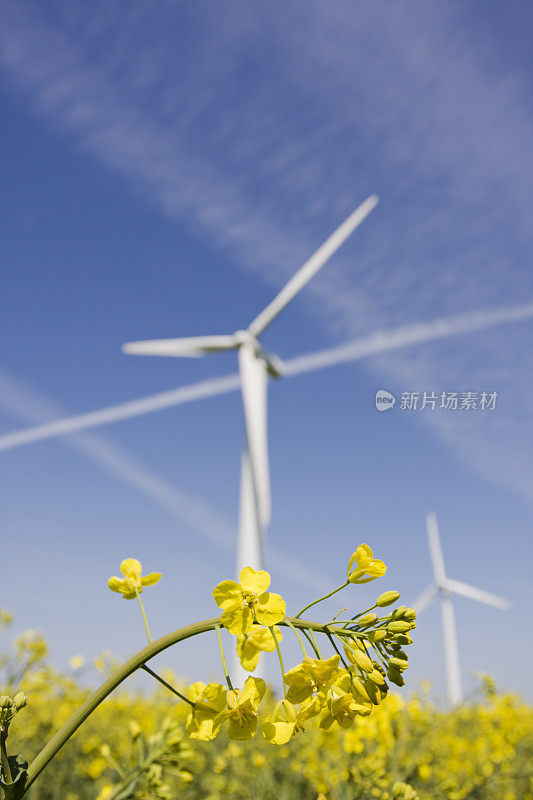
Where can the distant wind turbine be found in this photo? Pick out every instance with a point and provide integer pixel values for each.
(445, 587)
(255, 365)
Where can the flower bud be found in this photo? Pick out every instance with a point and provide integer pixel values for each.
(403, 639)
(20, 700)
(376, 677)
(387, 599)
(410, 614)
(395, 676)
(399, 663)
(377, 636)
(367, 619)
(373, 692)
(399, 612)
(398, 626)
(361, 659)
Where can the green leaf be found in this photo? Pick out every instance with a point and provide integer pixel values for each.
(18, 767)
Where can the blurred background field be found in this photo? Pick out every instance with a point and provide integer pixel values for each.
(407, 749)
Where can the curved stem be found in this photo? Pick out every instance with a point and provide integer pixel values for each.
(325, 597)
(223, 657)
(128, 668)
(93, 701)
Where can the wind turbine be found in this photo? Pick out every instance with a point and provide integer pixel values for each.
(445, 587)
(255, 365)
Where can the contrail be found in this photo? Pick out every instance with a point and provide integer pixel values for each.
(18, 400)
(407, 335)
(379, 342)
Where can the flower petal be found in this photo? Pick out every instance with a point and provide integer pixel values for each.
(363, 555)
(151, 578)
(376, 568)
(131, 568)
(116, 584)
(254, 581)
(237, 619)
(227, 593)
(270, 609)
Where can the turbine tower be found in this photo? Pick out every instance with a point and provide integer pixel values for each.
(445, 587)
(255, 365)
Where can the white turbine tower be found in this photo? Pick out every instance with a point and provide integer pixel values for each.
(445, 587)
(255, 364)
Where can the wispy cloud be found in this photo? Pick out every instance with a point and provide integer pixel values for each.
(345, 104)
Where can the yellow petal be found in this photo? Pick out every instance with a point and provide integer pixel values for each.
(357, 575)
(116, 584)
(227, 593)
(122, 587)
(195, 690)
(376, 568)
(131, 568)
(278, 732)
(254, 581)
(363, 555)
(254, 690)
(151, 578)
(270, 609)
(243, 730)
(237, 619)
(248, 653)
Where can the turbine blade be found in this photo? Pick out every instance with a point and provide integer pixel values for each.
(249, 545)
(312, 265)
(383, 342)
(451, 652)
(465, 590)
(423, 600)
(191, 347)
(254, 394)
(435, 548)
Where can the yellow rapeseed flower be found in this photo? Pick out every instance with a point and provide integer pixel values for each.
(133, 583)
(312, 675)
(368, 567)
(241, 710)
(209, 701)
(250, 645)
(248, 601)
(280, 726)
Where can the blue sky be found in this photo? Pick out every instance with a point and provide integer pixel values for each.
(164, 174)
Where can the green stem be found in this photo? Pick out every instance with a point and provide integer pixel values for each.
(291, 626)
(325, 597)
(362, 613)
(144, 616)
(223, 657)
(114, 765)
(4, 758)
(167, 685)
(315, 645)
(311, 642)
(272, 631)
(331, 639)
